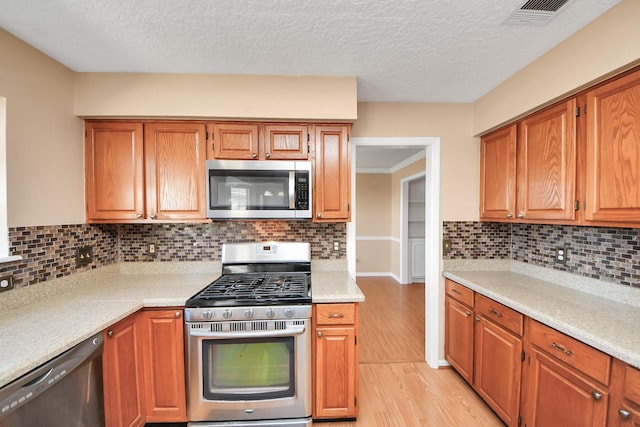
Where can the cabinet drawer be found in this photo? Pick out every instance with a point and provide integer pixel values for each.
(335, 314)
(500, 314)
(576, 354)
(459, 292)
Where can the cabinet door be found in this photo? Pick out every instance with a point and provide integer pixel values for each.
(114, 171)
(332, 185)
(175, 170)
(498, 175)
(613, 151)
(458, 344)
(122, 374)
(234, 141)
(164, 370)
(624, 408)
(498, 369)
(286, 142)
(336, 366)
(547, 164)
(556, 395)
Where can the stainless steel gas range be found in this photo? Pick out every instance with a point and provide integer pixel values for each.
(249, 339)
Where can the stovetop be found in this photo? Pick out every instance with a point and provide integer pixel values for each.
(240, 289)
(258, 274)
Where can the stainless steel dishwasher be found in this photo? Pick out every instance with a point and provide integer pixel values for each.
(64, 392)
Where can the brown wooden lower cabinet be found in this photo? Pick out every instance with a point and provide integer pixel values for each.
(498, 369)
(335, 361)
(122, 374)
(624, 407)
(535, 376)
(163, 365)
(143, 369)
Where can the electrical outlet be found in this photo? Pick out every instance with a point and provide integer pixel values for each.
(336, 246)
(6, 283)
(151, 248)
(446, 246)
(84, 256)
(561, 255)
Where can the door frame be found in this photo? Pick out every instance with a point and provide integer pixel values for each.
(433, 233)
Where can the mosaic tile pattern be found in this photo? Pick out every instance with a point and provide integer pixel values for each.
(48, 252)
(608, 254)
(477, 240)
(202, 242)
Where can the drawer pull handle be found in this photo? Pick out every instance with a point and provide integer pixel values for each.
(624, 414)
(336, 315)
(596, 395)
(455, 291)
(562, 349)
(495, 313)
(468, 313)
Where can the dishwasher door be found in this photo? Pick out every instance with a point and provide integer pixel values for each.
(64, 392)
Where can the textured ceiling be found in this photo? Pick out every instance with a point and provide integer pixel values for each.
(401, 50)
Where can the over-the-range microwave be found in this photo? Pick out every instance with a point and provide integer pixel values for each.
(254, 189)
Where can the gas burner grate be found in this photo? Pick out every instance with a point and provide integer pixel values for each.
(257, 286)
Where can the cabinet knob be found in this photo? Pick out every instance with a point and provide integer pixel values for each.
(152, 216)
(267, 155)
(520, 215)
(319, 334)
(177, 314)
(254, 155)
(138, 216)
(468, 313)
(509, 215)
(110, 333)
(318, 215)
(624, 414)
(477, 319)
(596, 395)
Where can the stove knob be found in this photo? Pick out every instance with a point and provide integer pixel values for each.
(289, 312)
(270, 313)
(207, 315)
(248, 314)
(227, 314)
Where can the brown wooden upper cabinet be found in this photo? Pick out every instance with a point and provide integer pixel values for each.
(613, 151)
(528, 169)
(158, 178)
(248, 141)
(332, 174)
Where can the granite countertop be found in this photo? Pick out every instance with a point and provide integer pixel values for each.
(39, 322)
(605, 316)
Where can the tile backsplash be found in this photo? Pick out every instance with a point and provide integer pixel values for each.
(49, 251)
(608, 254)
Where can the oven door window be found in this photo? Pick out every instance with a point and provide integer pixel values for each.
(248, 369)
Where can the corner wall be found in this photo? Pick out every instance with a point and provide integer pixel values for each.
(45, 177)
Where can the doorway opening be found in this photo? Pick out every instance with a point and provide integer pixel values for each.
(432, 232)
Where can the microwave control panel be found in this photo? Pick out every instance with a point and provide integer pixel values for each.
(302, 190)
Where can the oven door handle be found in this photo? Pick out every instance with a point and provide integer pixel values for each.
(298, 330)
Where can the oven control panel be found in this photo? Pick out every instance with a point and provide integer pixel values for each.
(276, 312)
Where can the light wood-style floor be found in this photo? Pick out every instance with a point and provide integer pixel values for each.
(397, 388)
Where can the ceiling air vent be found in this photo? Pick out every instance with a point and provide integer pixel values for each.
(535, 12)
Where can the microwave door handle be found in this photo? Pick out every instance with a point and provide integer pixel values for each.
(292, 189)
(299, 330)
